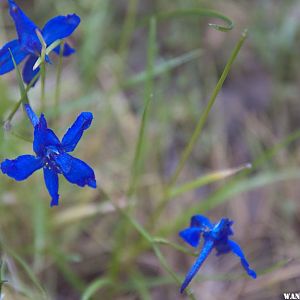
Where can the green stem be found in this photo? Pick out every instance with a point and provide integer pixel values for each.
(42, 63)
(43, 79)
(188, 149)
(197, 132)
(143, 232)
(177, 247)
(21, 100)
(121, 233)
(58, 79)
(148, 95)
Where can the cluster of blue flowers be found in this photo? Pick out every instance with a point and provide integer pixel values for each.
(52, 154)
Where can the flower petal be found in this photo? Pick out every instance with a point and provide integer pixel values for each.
(6, 63)
(222, 246)
(64, 162)
(59, 27)
(236, 249)
(191, 235)
(68, 50)
(207, 247)
(31, 115)
(51, 181)
(76, 171)
(74, 133)
(44, 137)
(222, 229)
(28, 72)
(26, 29)
(200, 221)
(21, 167)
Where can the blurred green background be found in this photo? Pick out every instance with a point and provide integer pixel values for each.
(84, 246)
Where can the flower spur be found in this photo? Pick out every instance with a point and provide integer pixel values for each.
(52, 155)
(28, 44)
(215, 236)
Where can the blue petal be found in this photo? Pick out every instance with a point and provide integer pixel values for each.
(76, 171)
(31, 115)
(59, 27)
(64, 162)
(28, 72)
(222, 246)
(200, 221)
(222, 229)
(74, 133)
(44, 137)
(207, 247)
(236, 249)
(6, 63)
(26, 29)
(191, 235)
(51, 180)
(68, 50)
(21, 167)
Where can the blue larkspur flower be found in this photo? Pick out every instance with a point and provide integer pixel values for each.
(28, 45)
(215, 236)
(52, 155)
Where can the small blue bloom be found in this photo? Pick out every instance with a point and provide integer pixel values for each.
(28, 44)
(215, 236)
(52, 155)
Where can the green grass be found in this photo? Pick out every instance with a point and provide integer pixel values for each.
(182, 104)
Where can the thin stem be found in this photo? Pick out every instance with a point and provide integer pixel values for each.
(18, 104)
(43, 79)
(42, 61)
(147, 236)
(177, 247)
(121, 232)
(58, 79)
(188, 149)
(148, 95)
(198, 130)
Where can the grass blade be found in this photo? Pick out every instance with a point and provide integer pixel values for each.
(28, 270)
(95, 286)
(163, 68)
(195, 12)
(136, 166)
(204, 180)
(232, 189)
(188, 149)
(23, 91)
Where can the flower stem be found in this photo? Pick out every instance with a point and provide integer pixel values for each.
(143, 232)
(42, 62)
(43, 77)
(58, 79)
(21, 100)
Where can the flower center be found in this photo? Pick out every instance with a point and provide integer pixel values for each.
(50, 158)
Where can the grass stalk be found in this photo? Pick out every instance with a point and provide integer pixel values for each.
(202, 120)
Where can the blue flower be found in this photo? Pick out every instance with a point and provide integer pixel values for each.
(52, 155)
(215, 236)
(28, 45)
